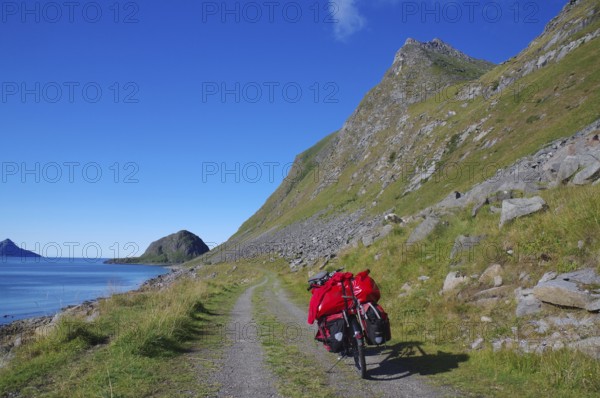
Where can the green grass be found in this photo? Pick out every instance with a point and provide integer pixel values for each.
(138, 346)
(556, 374)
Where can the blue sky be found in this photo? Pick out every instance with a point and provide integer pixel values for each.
(126, 121)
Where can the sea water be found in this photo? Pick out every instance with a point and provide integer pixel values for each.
(31, 287)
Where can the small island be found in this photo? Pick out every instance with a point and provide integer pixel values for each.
(9, 249)
(172, 249)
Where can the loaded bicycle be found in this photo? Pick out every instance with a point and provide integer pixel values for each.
(348, 316)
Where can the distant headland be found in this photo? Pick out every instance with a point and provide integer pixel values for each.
(172, 249)
(9, 249)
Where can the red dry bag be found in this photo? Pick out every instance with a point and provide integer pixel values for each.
(365, 288)
(328, 299)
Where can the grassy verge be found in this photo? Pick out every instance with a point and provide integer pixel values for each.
(501, 374)
(297, 375)
(139, 345)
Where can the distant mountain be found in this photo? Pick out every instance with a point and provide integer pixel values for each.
(9, 249)
(172, 249)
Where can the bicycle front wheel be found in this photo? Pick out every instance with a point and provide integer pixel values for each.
(359, 357)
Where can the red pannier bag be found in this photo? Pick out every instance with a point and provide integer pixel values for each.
(365, 288)
(328, 299)
(331, 332)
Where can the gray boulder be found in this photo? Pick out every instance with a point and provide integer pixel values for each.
(569, 289)
(385, 231)
(454, 200)
(548, 276)
(490, 274)
(494, 198)
(423, 230)
(589, 346)
(453, 280)
(563, 293)
(494, 292)
(568, 167)
(478, 207)
(495, 210)
(368, 240)
(594, 306)
(501, 196)
(584, 276)
(295, 264)
(515, 208)
(527, 303)
(588, 174)
(462, 243)
(477, 344)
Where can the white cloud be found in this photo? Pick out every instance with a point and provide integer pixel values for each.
(349, 20)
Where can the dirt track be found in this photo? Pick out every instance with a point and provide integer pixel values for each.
(243, 373)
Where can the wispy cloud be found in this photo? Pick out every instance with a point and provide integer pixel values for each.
(348, 18)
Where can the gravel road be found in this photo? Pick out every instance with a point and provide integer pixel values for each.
(391, 372)
(243, 373)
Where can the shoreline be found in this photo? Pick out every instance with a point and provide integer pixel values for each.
(21, 331)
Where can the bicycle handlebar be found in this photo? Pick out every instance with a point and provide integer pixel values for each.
(329, 275)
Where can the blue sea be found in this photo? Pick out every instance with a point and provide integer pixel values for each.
(31, 287)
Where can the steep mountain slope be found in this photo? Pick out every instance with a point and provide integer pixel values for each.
(418, 69)
(438, 122)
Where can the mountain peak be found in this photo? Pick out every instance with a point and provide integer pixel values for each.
(9, 249)
(414, 48)
(415, 57)
(436, 42)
